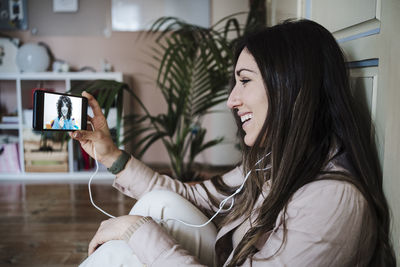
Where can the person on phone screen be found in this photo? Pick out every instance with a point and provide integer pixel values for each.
(64, 110)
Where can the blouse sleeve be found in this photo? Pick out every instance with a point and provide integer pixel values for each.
(137, 179)
(325, 221)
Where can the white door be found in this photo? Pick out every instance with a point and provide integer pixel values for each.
(369, 33)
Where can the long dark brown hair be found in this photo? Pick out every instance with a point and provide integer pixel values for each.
(64, 99)
(310, 112)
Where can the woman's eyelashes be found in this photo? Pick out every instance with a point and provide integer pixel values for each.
(244, 81)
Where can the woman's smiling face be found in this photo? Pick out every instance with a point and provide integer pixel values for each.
(249, 98)
(64, 109)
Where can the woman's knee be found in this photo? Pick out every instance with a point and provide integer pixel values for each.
(169, 207)
(160, 203)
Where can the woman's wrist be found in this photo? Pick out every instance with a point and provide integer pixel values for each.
(111, 158)
(131, 229)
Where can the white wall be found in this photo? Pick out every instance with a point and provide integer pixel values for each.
(221, 123)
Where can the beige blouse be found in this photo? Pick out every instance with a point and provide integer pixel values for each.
(326, 221)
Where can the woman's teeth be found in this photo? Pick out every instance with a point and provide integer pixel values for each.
(246, 117)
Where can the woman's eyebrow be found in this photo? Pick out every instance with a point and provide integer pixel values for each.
(243, 69)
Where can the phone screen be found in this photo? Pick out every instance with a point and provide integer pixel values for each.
(55, 111)
(62, 112)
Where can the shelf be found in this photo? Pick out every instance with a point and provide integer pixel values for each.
(16, 95)
(9, 126)
(56, 176)
(62, 76)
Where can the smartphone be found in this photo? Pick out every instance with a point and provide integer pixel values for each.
(59, 112)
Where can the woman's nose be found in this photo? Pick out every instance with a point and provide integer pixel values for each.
(233, 99)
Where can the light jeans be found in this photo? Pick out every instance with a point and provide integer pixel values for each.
(162, 205)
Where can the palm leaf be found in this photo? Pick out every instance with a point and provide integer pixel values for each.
(148, 141)
(194, 69)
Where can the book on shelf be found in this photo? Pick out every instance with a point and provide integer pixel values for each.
(9, 119)
(9, 159)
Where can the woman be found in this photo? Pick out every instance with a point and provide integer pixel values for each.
(312, 192)
(64, 110)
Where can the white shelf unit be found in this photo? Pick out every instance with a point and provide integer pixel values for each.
(15, 81)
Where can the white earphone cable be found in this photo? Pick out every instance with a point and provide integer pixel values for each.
(91, 178)
(221, 204)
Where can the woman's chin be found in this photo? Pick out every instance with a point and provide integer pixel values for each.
(248, 140)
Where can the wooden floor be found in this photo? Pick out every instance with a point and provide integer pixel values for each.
(52, 224)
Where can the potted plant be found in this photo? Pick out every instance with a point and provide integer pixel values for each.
(195, 65)
(109, 94)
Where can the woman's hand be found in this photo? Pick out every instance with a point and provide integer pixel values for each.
(111, 229)
(106, 151)
(61, 122)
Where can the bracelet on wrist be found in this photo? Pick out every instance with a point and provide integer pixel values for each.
(119, 164)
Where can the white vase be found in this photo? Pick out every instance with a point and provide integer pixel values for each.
(32, 58)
